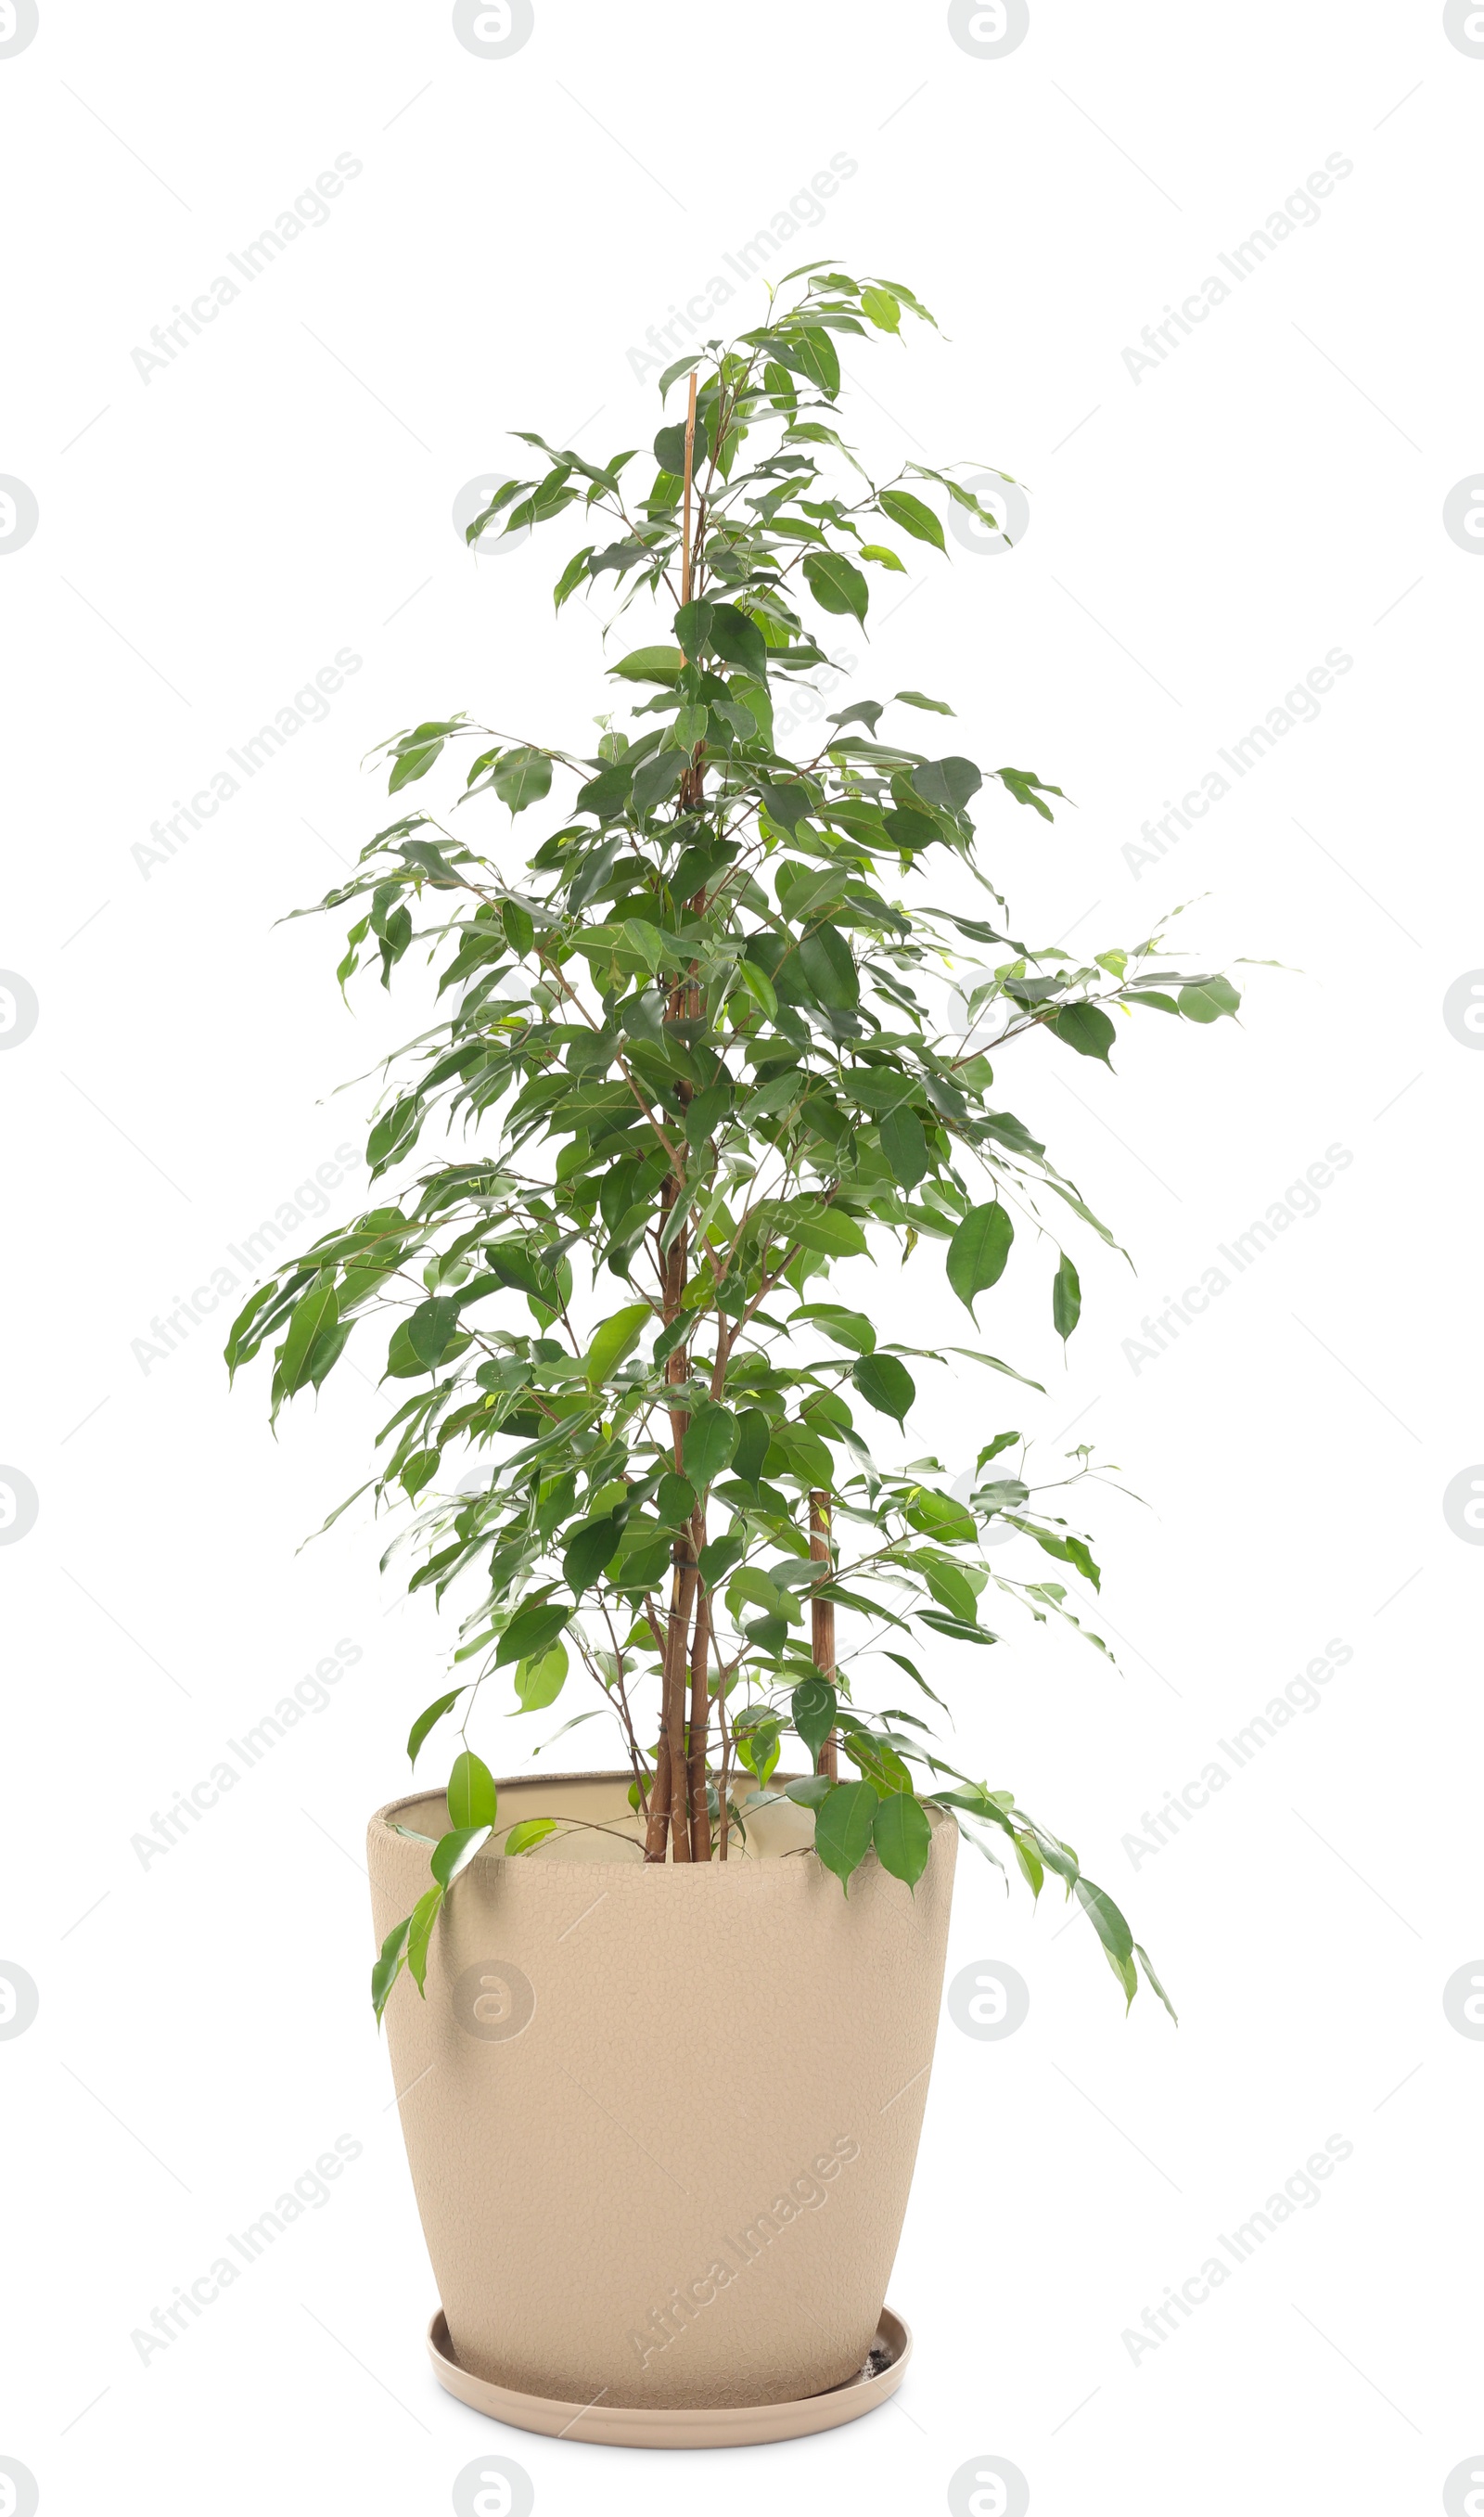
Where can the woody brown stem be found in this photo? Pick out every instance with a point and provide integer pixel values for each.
(821, 1619)
(660, 1806)
(701, 1821)
(683, 1580)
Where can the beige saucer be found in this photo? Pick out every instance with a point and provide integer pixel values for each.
(621, 2426)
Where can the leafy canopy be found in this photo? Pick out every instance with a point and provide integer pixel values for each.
(692, 1058)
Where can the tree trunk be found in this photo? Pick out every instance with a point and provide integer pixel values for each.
(821, 1619)
(700, 1820)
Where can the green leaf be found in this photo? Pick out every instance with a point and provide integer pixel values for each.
(902, 1836)
(521, 778)
(520, 931)
(593, 1546)
(413, 763)
(651, 664)
(1066, 1298)
(711, 1442)
(1088, 1030)
(1152, 1982)
(755, 1432)
(813, 1714)
(539, 1681)
(313, 1313)
(978, 1251)
(1111, 1929)
(472, 1795)
(529, 1631)
(531, 1832)
(454, 1852)
(827, 967)
(835, 585)
(948, 784)
(1209, 999)
(718, 1559)
(824, 1227)
(389, 1965)
(843, 1328)
(915, 699)
(913, 516)
(428, 1720)
(881, 308)
(1028, 788)
(843, 1826)
(420, 1924)
(617, 1338)
(431, 1327)
(738, 641)
(905, 1146)
(885, 1384)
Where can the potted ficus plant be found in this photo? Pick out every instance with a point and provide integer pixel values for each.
(663, 2030)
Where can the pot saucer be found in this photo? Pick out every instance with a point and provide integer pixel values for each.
(734, 2425)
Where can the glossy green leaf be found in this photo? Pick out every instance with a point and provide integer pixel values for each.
(453, 1852)
(472, 1795)
(539, 1681)
(978, 1251)
(530, 1631)
(428, 1720)
(711, 1442)
(420, 1924)
(885, 1383)
(1088, 1030)
(836, 585)
(1066, 1298)
(913, 516)
(531, 1832)
(811, 1711)
(902, 1836)
(843, 1826)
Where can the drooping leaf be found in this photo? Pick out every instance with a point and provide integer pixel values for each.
(836, 585)
(902, 1836)
(1066, 1298)
(1086, 1029)
(530, 1631)
(711, 1442)
(453, 1852)
(843, 1825)
(539, 1681)
(885, 1383)
(472, 1795)
(811, 1711)
(978, 1251)
(913, 516)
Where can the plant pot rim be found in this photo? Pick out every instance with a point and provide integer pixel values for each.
(739, 1863)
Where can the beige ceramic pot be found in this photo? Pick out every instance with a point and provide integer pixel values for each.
(661, 2121)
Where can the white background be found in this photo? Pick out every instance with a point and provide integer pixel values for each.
(1200, 538)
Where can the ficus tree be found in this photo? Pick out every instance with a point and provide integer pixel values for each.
(700, 1049)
